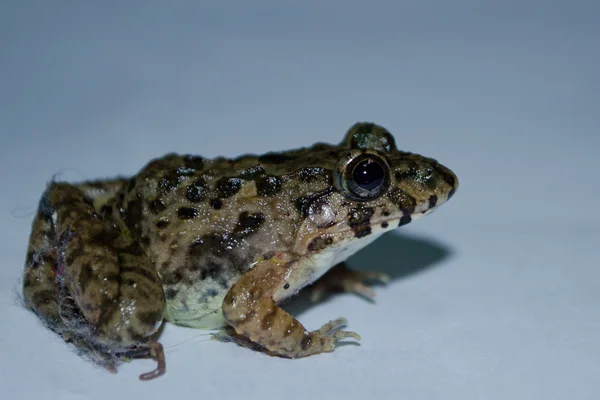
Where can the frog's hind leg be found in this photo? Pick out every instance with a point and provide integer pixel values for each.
(40, 291)
(250, 309)
(340, 278)
(89, 280)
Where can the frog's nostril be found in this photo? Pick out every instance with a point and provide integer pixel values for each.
(427, 173)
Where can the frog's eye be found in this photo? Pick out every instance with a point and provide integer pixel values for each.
(365, 177)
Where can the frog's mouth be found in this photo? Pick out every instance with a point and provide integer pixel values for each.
(380, 223)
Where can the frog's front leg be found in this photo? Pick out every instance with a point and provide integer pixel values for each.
(340, 278)
(106, 296)
(249, 307)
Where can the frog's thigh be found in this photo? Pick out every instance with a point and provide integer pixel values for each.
(110, 278)
(249, 308)
(39, 276)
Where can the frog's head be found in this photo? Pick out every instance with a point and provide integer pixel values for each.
(374, 188)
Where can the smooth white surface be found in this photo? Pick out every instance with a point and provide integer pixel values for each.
(495, 296)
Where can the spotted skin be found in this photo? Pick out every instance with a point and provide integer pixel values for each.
(210, 243)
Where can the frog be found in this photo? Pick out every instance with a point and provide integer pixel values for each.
(221, 243)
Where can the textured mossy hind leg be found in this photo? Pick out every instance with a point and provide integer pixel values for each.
(115, 299)
(40, 290)
(249, 308)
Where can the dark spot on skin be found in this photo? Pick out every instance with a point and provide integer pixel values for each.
(133, 213)
(134, 249)
(73, 255)
(286, 286)
(161, 224)
(105, 210)
(248, 223)
(193, 162)
(127, 282)
(405, 220)
(276, 158)
(172, 278)
(168, 182)
(253, 173)
(187, 212)
(211, 269)
(216, 203)
(432, 200)
(105, 237)
(171, 293)
(134, 269)
(212, 292)
(145, 240)
(404, 201)
(359, 219)
(194, 265)
(215, 243)
(320, 243)
(305, 344)
(268, 185)
(221, 281)
(267, 319)
(197, 191)
(227, 187)
(290, 329)
(85, 276)
(384, 225)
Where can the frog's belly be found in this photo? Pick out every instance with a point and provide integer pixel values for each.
(199, 305)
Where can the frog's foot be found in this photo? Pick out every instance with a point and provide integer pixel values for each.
(341, 278)
(325, 338)
(250, 309)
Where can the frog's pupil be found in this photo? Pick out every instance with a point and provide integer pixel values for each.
(368, 174)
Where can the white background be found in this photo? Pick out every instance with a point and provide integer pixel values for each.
(494, 296)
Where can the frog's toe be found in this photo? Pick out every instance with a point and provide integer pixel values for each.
(341, 278)
(326, 338)
(332, 329)
(157, 352)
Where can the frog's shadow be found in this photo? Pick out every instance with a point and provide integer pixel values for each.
(398, 256)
